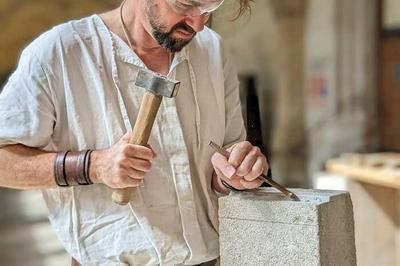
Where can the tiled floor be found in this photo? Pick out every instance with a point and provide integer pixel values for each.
(26, 237)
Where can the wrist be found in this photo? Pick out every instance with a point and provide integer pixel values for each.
(94, 173)
(230, 187)
(218, 186)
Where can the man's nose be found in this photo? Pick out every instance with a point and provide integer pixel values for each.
(197, 22)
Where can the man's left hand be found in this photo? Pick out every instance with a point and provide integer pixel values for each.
(243, 167)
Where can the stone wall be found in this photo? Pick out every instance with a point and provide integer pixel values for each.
(315, 63)
(22, 20)
(391, 18)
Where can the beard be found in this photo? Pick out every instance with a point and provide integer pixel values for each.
(165, 38)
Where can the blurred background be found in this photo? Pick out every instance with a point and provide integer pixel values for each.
(320, 88)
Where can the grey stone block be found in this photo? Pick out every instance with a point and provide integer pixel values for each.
(262, 227)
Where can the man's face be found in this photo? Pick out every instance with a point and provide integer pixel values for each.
(171, 28)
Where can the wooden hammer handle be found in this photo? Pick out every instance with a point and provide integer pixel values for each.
(140, 136)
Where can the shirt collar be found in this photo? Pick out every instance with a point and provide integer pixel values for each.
(125, 53)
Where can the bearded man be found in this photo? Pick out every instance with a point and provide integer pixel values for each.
(73, 99)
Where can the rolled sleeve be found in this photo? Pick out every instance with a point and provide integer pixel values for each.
(27, 113)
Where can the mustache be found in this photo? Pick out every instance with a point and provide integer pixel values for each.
(183, 26)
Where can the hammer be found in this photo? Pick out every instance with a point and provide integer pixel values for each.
(156, 86)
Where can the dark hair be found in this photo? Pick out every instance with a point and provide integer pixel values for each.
(244, 6)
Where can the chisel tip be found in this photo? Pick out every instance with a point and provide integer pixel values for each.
(293, 196)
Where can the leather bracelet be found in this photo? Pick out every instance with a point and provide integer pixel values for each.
(225, 184)
(59, 171)
(87, 167)
(72, 168)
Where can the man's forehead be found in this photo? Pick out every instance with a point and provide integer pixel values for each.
(200, 2)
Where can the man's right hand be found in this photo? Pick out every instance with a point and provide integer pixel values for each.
(122, 165)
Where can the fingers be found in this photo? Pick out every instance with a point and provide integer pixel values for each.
(126, 164)
(248, 161)
(123, 164)
(257, 169)
(239, 152)
(132, 183)
(134, 150)
(221, 163)
(251, 184)
(135, 168)
(138, 151)
(129, 178)
(252, 163)
(139, 165)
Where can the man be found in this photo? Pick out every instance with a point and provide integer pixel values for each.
(74, 91)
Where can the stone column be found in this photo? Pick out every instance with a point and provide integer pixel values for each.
(340, 70)
(288, 137)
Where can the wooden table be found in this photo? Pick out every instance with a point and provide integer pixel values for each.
(373, 181)
(381, 169)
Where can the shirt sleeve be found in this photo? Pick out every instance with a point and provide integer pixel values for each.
(27, 113)
(235, 130)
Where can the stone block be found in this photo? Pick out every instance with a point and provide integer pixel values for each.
(262, 227)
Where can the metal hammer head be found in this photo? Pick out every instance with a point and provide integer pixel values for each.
(157, 83)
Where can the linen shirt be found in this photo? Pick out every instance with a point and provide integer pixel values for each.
(74, 89)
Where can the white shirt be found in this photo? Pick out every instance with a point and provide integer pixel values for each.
(74, 89)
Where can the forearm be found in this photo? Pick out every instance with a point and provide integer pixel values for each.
(22, 167)
(218, 186)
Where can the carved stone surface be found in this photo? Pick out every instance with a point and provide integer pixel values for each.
(264, 228)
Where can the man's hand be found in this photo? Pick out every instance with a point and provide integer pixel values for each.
(122, 165)
(243, 167)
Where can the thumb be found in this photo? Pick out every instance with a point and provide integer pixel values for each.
(221, 163)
